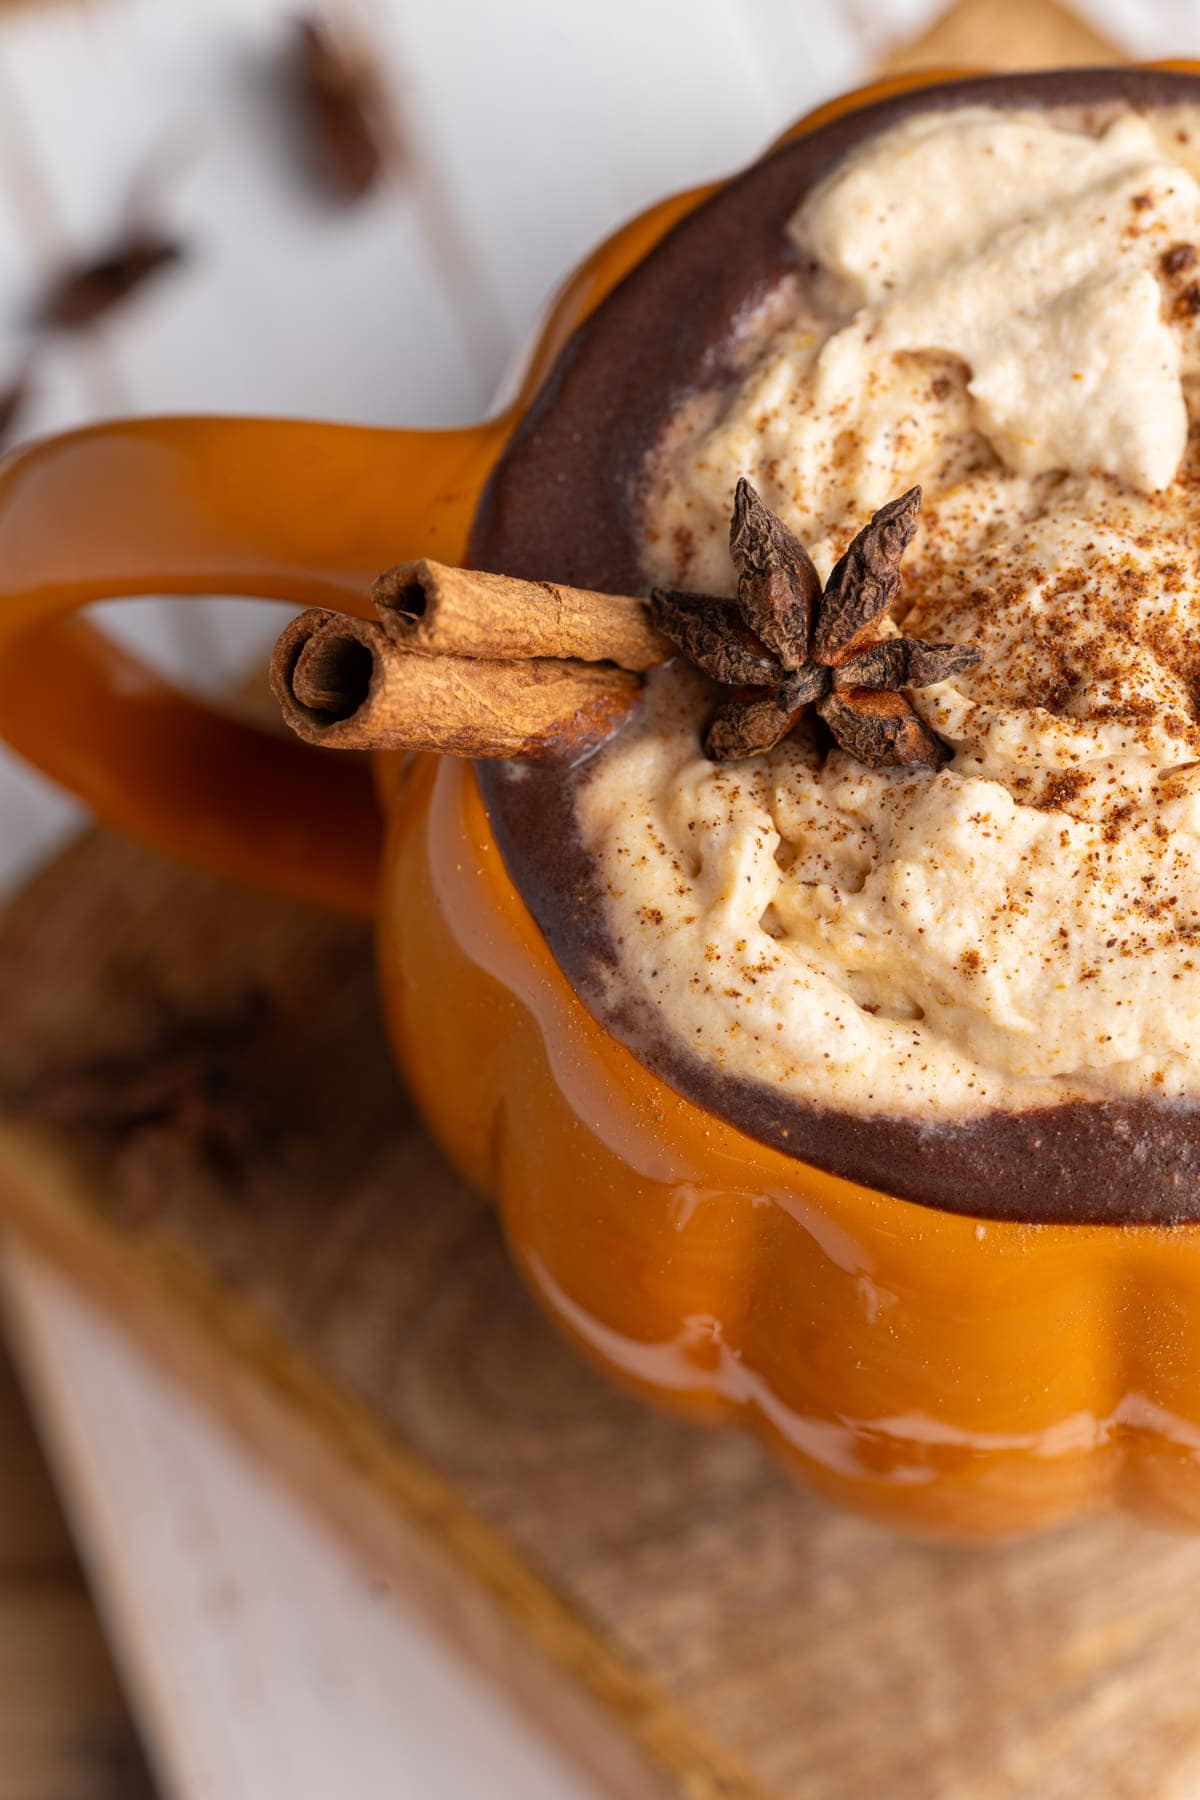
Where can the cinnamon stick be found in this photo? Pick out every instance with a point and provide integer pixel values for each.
(346, 683)
(434, 610)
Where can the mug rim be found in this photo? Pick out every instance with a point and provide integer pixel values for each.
(979, 1166)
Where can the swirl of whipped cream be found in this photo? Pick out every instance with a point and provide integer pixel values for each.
(1008, 311)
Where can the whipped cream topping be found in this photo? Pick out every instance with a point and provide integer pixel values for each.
(1005, 309)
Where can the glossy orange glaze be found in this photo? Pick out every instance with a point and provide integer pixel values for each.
(933, 1371)
(928, 1369)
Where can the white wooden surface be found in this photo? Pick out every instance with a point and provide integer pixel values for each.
(262, 1660)
(262, 1664)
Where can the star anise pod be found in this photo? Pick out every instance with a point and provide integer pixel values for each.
(343, 110)
(784, 645)
(180, 1099)
(89, 290)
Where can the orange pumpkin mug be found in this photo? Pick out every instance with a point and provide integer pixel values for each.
(933, 1369)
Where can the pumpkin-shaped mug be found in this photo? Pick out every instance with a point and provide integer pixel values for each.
(976, 1321)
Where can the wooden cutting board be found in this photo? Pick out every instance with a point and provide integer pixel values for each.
(656, 1595)
(201, 1126)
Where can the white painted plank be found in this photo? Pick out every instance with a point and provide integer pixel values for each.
(808, 53)
(1149, 29)
(286, 304)
(35, 819)
(267, 1665)
(292, 305)
(549, 124)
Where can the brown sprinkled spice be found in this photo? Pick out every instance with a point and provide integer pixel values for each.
(1176, 258)
(1060, 789)
(785, 645)
(1116, 819)
(342, 110)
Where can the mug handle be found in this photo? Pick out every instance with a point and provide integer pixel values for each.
(282, 509)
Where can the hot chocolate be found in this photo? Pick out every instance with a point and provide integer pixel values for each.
(972, 987)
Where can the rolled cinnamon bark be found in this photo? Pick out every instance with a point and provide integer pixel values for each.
(346, 683)
(435, 610)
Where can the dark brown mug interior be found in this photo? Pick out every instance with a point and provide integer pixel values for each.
(562, 505)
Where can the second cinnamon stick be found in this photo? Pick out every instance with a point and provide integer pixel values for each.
(434, 610)
(345, 683)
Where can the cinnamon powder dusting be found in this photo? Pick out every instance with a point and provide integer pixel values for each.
(1020, 926)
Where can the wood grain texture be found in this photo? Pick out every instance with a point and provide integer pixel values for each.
(317, 1087)
(656, 1594)
(34, 1544)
